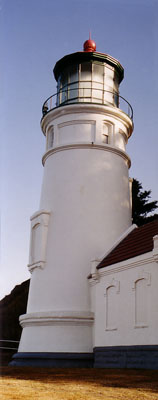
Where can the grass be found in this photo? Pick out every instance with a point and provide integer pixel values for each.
(76, 384)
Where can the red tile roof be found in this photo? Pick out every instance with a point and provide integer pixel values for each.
(138, 242)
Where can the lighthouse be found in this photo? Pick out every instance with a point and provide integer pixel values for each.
(85, 206)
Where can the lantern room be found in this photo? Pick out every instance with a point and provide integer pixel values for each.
(88, 77)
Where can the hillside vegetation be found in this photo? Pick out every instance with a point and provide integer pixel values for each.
(11, 307)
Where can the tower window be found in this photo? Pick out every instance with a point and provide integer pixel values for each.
(50, 137)
(140, 303)
(98, 72)
(111, 302)
(86, 71)
(105, 133)
(111, 314)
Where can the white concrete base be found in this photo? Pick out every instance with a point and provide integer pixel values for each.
(61, 331)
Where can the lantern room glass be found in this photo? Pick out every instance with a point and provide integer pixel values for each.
(89, 82)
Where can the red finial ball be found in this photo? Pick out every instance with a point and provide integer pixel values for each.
(89, 45)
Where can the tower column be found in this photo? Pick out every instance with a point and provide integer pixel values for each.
(84, 207)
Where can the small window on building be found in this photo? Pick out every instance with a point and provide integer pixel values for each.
(50, 138)
(111, 314)
(73, 74)
(98, 73)
(64, 87)
(111, 305)
(141, 302)
(86, 71)
(109, 77)
(105, 133)
(73, 84)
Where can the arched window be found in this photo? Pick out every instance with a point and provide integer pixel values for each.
(141, 302)
(111, 300)
(110, 308)
(141, 299)
(50, 137)
(107, 133)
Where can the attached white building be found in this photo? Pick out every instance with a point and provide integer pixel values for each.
(125, 301)
(85, 209)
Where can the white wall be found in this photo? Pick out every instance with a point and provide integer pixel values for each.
(85, 197)
(126, 299)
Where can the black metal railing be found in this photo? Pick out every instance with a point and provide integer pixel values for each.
(72, 95)
(6, 344)
(7, 349)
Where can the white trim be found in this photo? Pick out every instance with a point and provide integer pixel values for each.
(122, 266)
(87, 108)
(37, 264)
(77, 122)
(93, 146)
(38, 213)
(57, 318)
(142, 275)
(40, 218)
(125, 266)
(112, 283)
(115, 284)
(117, 242)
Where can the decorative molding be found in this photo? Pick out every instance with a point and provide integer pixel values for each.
(140, 322)
(112, 283)
(38, 264)
(57, 318)
(111, 329)
(87, 108)
(125, 266)
(39, 213)
(93, 146)
(142, 275)
(77, 122)
(93, 280)
(39, 230)
(140, 326)
(72, 132)
(124, 134)
(94, 277)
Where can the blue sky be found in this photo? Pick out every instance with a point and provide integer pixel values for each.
(34, 35)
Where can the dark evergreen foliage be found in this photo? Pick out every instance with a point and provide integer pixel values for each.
(141, 206)
(11, 307)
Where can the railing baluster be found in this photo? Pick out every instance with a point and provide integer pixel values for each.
(50, 102)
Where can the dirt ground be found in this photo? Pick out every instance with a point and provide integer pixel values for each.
(76, 384)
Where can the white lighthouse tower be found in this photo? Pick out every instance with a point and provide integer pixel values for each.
(84, 207)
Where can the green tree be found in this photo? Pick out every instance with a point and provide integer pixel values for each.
(141, 206)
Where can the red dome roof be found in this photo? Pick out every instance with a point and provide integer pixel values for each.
(89, 45)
